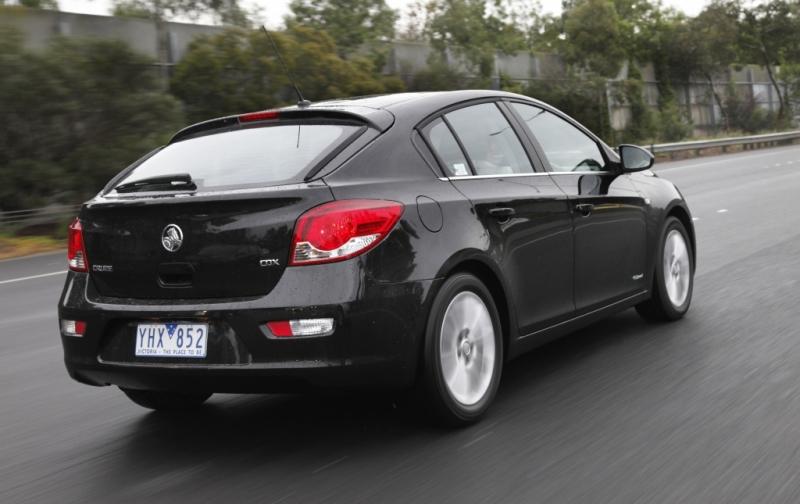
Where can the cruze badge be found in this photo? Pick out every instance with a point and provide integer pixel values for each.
(172, 237)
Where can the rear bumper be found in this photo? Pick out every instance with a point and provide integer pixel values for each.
(375, 344)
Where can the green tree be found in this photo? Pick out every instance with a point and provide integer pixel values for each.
(34, 4)
(228, 11)
(414, 21)
(593, 37)
(769, 36)
(600, 35)
(73, 116)
(712, 47)
(475, 30)
(351, 23)
(236, 71)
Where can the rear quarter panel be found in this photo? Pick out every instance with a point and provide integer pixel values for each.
(438, 228)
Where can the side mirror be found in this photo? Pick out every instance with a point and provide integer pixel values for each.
(635, 158)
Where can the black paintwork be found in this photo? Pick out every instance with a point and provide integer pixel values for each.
(565, 255)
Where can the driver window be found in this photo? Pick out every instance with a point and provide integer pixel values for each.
(566, 147)
(489, 140)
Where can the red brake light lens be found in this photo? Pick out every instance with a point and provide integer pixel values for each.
(259, 116)
(76, 251)
(280, 329)
(73, 327)
(342, 229)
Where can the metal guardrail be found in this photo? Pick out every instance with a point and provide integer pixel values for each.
(752, 140)
(51, 214)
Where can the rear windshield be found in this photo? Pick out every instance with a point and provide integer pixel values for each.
(246, 157)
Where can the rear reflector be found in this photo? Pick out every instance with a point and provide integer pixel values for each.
(342, 229)
(73, 327)
(76, 251)
(300, 328)
(259, 116)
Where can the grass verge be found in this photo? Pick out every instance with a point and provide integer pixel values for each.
(18, 246)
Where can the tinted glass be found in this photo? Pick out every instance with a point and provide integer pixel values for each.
(566, 147)
(491, 144)
(444, 144)
(262, 156)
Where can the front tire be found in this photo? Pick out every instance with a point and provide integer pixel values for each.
(673, 280)
(463, 354)
(161, 400)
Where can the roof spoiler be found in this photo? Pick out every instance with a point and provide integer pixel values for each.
(376, 118)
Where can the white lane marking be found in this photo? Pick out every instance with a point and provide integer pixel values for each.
(329, 464)
(777, 164)
(22, 279)
(722, 210)
(695, 218)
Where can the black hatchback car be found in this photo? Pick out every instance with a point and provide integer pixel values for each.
(409, 240)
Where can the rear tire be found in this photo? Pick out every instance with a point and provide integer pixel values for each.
(463, 354)
(161, 400)
(673, 280)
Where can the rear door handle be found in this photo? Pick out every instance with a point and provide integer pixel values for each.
(584, 208)
(502, 212)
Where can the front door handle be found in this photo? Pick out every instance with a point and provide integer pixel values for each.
(502, 213)
(585, 209)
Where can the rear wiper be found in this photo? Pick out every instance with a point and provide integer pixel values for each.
(174, 182)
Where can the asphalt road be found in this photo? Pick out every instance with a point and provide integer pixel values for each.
(703, 410)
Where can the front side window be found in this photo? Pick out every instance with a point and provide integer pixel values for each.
(566, 147)
(489, 140)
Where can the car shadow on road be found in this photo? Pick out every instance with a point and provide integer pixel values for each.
(239, 432)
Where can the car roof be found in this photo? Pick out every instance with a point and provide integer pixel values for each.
(378, 110)
(417, 104)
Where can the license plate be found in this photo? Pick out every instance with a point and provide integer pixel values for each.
(171, 340)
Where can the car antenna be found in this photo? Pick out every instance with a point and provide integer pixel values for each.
(301, 102)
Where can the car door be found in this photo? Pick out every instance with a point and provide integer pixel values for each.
(608, 213)
(524, 215)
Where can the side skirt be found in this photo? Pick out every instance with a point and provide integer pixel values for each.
(539, 337)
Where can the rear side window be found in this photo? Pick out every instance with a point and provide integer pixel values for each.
(445, 145)
(267, 155)
(566, 147)
(489, 140)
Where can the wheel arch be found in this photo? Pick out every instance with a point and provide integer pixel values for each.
(683, 215)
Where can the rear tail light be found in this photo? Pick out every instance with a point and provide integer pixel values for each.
(73, 327)
(76, 251)
(343, 229)
(300, 328)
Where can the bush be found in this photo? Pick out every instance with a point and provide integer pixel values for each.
(672, 124)
(437, 76)
(744, 114)
(237, 71)
(73, 116)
